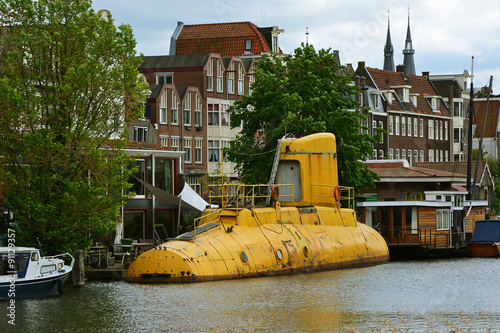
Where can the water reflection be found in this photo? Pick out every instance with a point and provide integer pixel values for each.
(441, 295)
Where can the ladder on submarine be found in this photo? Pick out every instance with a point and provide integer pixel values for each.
(274, 171)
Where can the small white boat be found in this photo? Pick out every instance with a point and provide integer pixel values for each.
(25, 273)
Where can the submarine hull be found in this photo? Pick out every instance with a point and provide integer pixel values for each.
(263, 242)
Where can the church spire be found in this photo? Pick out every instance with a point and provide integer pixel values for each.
(388, 49)
(409, 51)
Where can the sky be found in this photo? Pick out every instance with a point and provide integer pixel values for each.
(446, 34)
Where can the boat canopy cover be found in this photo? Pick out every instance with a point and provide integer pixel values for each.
(486, 231)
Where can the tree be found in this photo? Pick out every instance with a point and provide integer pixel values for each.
(303, 93)
(68, 87)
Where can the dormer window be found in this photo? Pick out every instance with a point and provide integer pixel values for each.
(413, 99)
(248, 46)
(276, 47)
(164, 78)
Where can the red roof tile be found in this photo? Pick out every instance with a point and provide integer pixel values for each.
(491, 118)
(227, 39)
(420, 85)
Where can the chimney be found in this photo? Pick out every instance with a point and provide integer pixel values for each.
(426, 75)
(361, 64)
(400, 68)
(175, 35)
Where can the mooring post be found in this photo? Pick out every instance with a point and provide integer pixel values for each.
(79, 269)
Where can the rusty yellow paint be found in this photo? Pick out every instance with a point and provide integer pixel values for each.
(312, 234)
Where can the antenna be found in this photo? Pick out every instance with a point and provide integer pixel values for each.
(307, 36)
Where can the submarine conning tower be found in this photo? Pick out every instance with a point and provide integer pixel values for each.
(309, 164)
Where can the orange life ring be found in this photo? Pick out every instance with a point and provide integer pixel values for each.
(275, 193)
(336, 193)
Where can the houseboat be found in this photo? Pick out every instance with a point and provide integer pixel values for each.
(25, 273)
(485, 241)
(303, 222)
(421, 212)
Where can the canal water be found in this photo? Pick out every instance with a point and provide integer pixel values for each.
(453, 295)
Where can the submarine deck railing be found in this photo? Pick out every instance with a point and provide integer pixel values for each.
(234, 196)
(241, 195)
(327, 192)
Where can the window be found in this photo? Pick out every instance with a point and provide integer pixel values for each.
(409, 157)
(397, 154)
(163, 107)
(213, 114)
(251, 80)
(213, 151)
(230, 79)
(187, 149)
(381, 125)
(187, 110)
(431, 155)
(174, 109)
(140, 134)
(430, 129)
(421, 130)
(175, 143)
(403, 154)
(446, 130)
(224, 146)
(164, 78)
(194, 183)
(140, 173)
(391, 153)
(415, 127)
(390, 125)
(446, 156)
(458, 109)
(415, 156)
(397, 125)
(163, 174)
(220, 76)
(375, 100)
(47, 269)
(442, 219)
(380, 154)
(198, 150)
(409, 126)
(241, 80)
(403, 126)
(164, 140)
(210, 76)
(439, 129)
(224, 118)
(198, 122)
(421, 155)
(163, 115)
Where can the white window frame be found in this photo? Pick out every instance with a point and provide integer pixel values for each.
(403, 126)
(210, 75)
(187, 110)
(187, 148)
(442, 219)
(174, 109)
(220, 76)
(198, 147)
(174, 143)
(397, 125)
(391, 125)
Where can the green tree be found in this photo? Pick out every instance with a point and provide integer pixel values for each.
(68, 86)
(303, 93)
(494, 166)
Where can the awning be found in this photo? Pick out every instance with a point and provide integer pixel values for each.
(165, 198)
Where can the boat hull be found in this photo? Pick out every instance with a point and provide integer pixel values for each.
(483, 249)
(24, 288)
(265, 249)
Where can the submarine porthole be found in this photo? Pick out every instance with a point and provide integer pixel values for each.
(306, 251)
(279, 254)
(244, 257)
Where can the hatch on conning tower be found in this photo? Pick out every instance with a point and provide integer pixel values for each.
(310, 164)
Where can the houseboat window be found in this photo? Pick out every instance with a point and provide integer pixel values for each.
(137, 187)
(34, 256)
(397, 222)
(442, 219)
(163, 174)
(133, 224)
(411, 220)
(47, 269)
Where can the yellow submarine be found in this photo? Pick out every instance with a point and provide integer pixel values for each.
(302, 222)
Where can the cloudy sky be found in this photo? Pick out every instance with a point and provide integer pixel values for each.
(446, 34)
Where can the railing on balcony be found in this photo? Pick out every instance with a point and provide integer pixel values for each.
(427, 238)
